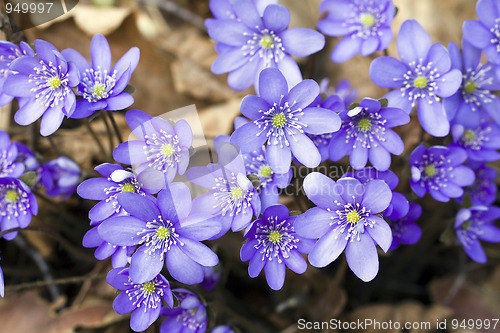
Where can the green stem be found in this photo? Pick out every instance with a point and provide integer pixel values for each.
(95, 137)
(115, 126)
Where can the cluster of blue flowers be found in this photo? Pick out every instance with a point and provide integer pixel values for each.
(147, 220)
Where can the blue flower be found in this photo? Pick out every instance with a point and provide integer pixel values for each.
(484, 190)
(485, 33)
(257, 165)
(439, 171)
(101, 86)
(9, 166)
(473, 100)
(190, 316)
(8, 53)
(60, 176)
(161, 148)
(282, 118)
(27, 157)
(43, 87)
(423, 75)
(343, 90)
(253, 43)
(144, 300)
(232, 199)
(480, 142)
(366, 135)
(474, 224)
(164, 233)
(346, 217)
(273, 245)
(365, 25)
(17, 205)
(404, 229)
(399, 205)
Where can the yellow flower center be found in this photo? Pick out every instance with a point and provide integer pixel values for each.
(266, 42)
(364, 125)
(128, 188)
(167, 149)
(420, 82)
(54, 82)
(99, 90)
(368, 20)
(430, 170)
(470, 87)
(265, 171)
(469, 135)
(353, 217)
(163, 233)
(11, 196)
(279, 120)
(275, 237)
(236, 193)
(148, 287)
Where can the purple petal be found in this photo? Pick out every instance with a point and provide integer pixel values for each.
(101, 211)
(199, 252)
(175, 201)
(381, 232)
(432, 117)
(387, 72)
(275, 273)
(303, 94)
(51, 120)
(74, 56)
(346, 48)
(143, 317)
(359, 157)
(145, 266)
(249, 138)
(322, 190)
(122, 304)
(413, 42)
(272, 85)
(276, 18)
(128, 62)
(351, 189)
(377, 196)
(304, 150)
(229, 32)
(279, 159)
(362, 257)
(247, 13)
(369, 45)
(100, 54)
(290, 70)
(136, 205)
(399, 100)
(248, 249)
(314, 223)
(252, 107)
(229, 61)
(379, 157)
(246, 75)
(182, 268)
(122, 230)
(320, 120)
(19, 86)
(119, 102)
(477, 34)
(439, 57)
(462, 175)
(328, 248)
(333, 28)
(450, 82)
(301, 42)
(295, 262)
(93, 188)
(29, 112)
(256, 265)
(487, 11)
(45, 51)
